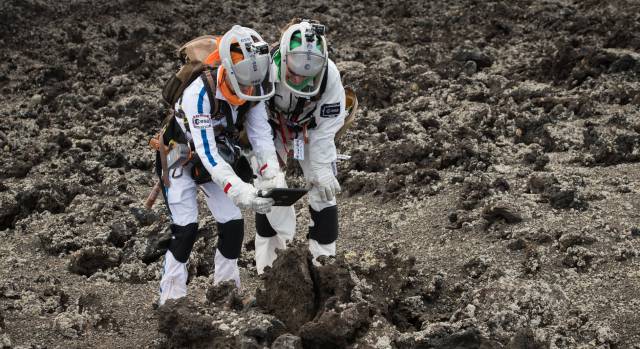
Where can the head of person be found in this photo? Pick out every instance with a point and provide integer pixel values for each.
(302, 58)
(245, 59)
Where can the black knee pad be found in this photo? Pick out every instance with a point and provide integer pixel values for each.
(182, 240)
(263, 227)
(325, 225)
(230, 237)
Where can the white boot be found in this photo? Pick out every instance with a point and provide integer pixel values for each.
(173, 284)
(318, 250)
(225, 269)
(266, 251)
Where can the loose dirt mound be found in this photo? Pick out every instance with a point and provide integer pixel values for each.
(376, 300)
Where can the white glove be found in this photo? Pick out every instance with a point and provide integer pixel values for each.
(269, 173)
(245, 196)
(325, 181)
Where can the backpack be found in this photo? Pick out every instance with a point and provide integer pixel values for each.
(351, 106)
(192, 55)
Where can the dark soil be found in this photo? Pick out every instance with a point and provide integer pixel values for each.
(490, 200)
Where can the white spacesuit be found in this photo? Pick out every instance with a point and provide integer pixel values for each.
(307, 111)
(240, 79)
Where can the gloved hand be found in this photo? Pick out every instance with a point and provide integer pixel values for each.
(325, 181)
(269, 173)
(245, 196)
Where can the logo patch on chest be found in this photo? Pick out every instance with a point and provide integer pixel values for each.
(331, 110)
(201, 121)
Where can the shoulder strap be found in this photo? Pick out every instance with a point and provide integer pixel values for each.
(210, 86)
(297, 110)
(323, 85)
(274, 49)
(242, 112)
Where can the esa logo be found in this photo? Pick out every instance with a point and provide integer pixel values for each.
(330, 110)
(201, 121)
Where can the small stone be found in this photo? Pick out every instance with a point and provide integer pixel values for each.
(517, 244)
(470, 68)
(5, 341)
(287, 341)
(605, 335)
(35, 100)
(457, 179)
(109, 91)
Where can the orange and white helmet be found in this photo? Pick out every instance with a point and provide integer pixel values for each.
(253, 70)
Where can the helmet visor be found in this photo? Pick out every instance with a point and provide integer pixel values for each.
(250, 72)
(305, 63)
(251, 79)
(303, 71)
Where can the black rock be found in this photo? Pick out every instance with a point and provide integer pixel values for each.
(501, 184)
(89, 260)
(184, 325)
(453, 216)
(156, 246)
(566, 198)
(525, 339)
(145, 217)
(109, 91)
(541, 183)
(120, 233)
(9, 210)
(481, 59)
(287, 341)
(517, 244)
(265, 333)
(501, 211)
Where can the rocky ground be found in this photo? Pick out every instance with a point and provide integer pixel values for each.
(491, 199)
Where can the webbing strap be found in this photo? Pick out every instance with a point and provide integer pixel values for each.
(210, 86)
(323, 85)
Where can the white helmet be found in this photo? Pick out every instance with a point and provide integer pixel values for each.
(303, 52)
(253, 70)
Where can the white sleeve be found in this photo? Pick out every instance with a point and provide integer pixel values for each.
(195, 104)
(258, 129)
(329, 116)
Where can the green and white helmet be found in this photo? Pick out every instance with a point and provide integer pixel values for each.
(253, 70)
(303, 52)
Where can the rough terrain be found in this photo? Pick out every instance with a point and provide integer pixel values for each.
(491, 198)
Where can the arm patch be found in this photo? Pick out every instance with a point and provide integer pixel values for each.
(201, 121)
(331, 110)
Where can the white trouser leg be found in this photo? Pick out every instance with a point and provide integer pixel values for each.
(182, 201)
(173, 284)
(223, 210)
(182, 198)
(225, 269)
(281, 219)
(317, 204)
(283, 222)
(266, 251)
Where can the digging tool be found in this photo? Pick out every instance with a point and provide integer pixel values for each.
(153, 195)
